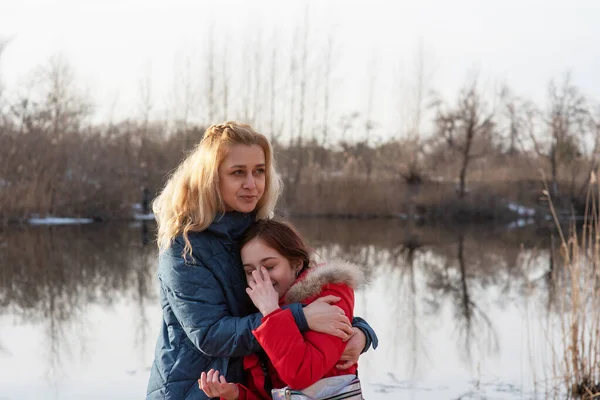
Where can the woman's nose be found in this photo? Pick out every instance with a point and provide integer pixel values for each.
(249, 182)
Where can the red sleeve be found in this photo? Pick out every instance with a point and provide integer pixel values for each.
(301, 360)
(254, 378)
(247, 394)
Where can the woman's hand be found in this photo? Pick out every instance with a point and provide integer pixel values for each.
(214, 386)
(353, 350)
(262, 293)
(325, 318)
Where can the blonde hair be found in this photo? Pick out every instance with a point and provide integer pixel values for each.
(190, 200)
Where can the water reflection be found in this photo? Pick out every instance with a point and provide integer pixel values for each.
(430, 287)
(52, 275)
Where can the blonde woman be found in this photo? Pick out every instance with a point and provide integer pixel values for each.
(228, 181)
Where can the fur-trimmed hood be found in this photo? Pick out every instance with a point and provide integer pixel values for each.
(334, 271)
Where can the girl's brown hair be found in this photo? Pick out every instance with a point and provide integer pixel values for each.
(282, 237)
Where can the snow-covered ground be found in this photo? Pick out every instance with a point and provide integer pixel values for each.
(144, 217)
(521, 209)
(59, 221)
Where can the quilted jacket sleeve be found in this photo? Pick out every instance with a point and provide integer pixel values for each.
(372, 339)
(301, 360)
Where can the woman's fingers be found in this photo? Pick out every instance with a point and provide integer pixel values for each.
(329, 299)
(347, 329)
(340, 316)
(339, 311)
(346, 364)
(342, 334)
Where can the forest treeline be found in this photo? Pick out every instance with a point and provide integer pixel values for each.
(472, 156)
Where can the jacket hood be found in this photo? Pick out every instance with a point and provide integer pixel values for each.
(312, 281)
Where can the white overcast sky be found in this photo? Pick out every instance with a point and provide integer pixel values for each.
(113, 45)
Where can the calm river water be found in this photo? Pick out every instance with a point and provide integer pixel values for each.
(464, 313)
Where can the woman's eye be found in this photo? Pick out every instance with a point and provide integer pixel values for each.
(259, 171)
(238, 172)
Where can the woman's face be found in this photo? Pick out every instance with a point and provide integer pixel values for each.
(242, 176)
(256, 254)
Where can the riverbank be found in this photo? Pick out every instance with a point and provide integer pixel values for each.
(433, 202)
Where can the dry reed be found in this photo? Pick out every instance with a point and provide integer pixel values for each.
(579, 303)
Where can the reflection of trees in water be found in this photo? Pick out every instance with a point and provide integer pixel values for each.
(403, 260)
(544, 274)
(427, 268)
(144, 284)
(472, 322)
(52, 274)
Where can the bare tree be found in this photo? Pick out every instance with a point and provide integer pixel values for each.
(185, 94)
(564, 118)
(299, 156)
(593, 128)
(275, 130)
(145, 107)
(303, 77)
(257, 60)
(420, 91)
(327, 89)
(3, 43)
(211, 76)
(225, 81)
(61, 108)
(145, 104)
(514, 113)
(460, 127)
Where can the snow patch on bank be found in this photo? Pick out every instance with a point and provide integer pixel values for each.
(59, 221)
(144, 217)
(521, 209)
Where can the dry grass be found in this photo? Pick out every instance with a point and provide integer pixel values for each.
(100, 172)
(579, 303)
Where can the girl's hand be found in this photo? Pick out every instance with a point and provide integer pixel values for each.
(214, 386)
(262, 293)
(325, 318)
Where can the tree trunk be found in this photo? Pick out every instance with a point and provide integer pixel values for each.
(462, 190)
(554, 167)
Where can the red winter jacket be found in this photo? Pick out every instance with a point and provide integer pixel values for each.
(299, 360)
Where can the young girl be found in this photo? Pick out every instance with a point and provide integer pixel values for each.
(279, 271)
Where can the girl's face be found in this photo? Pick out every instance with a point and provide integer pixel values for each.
(242, 177)
(256, 254)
